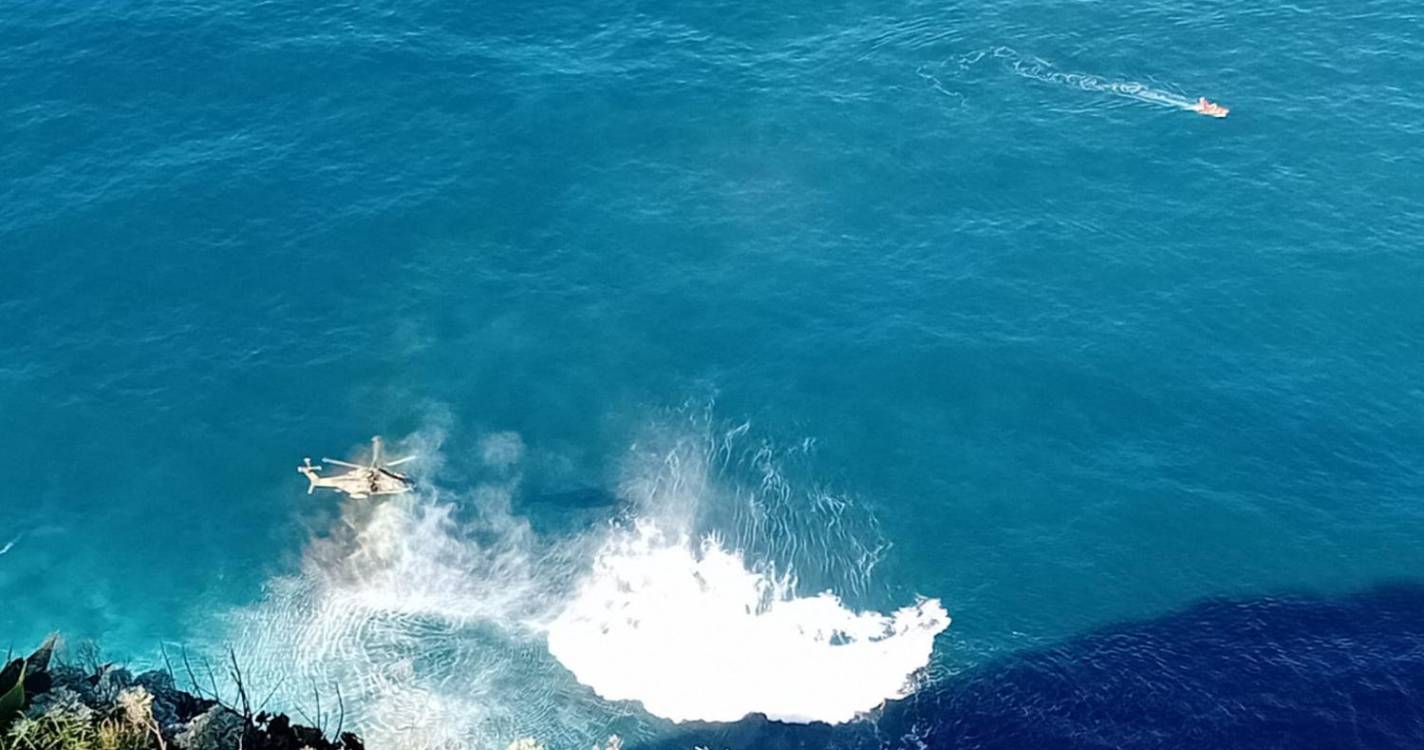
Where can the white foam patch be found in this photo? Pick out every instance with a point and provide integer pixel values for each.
(425, 611)
(693, 634)
(673, 618)
(447, 621)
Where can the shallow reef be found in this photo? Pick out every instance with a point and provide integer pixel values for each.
(51, 703)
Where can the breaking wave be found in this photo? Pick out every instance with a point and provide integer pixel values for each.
(447, 621)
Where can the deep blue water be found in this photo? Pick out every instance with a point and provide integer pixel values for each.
(1275, 672)
(1069, 361)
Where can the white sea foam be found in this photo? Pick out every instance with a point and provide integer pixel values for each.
(691, 632)
(448, 622)
(425, 610)
(669, 616)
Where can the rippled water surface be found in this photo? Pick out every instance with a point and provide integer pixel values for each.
(779, 358)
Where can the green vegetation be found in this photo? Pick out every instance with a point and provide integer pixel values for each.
(100, 706)
(61, 730)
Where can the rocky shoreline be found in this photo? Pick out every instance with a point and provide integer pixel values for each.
(51, 703)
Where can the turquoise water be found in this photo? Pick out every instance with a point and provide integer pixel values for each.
(917, 309)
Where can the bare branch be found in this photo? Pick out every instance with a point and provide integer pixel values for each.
(271, 693)
(192, 678)
(241, 687)
(304, 716)
(341, 709)
(87, 653)
(319, 718)
(168, 665)
(213, 680)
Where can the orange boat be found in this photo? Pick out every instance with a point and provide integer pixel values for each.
(1209, 108)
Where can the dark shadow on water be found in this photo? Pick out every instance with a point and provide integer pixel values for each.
(579, 498)
(566, 511)
(1290, 672)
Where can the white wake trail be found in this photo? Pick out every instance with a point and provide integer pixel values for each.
(1042, 70)
(1039, 69)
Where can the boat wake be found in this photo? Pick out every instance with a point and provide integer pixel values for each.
(1039, 69)
(446, 620)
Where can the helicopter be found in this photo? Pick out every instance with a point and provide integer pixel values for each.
(375, 478)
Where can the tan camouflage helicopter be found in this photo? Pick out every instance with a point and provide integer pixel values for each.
(375, 478)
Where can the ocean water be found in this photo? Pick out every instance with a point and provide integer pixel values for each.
(775, 359)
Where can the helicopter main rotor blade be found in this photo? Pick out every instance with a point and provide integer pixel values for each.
(400, 461)
(347, 464)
